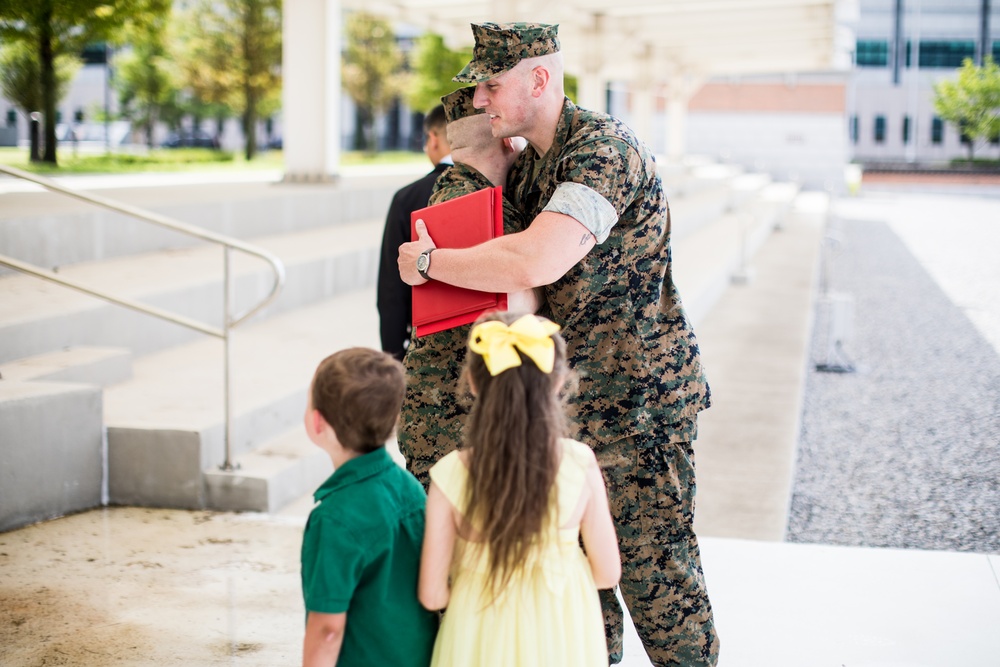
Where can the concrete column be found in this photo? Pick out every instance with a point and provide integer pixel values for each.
(592, 84)
(643, 103)
(680, 89)
(676, 125)
(311, 90)
(592, 92)
(643, 99)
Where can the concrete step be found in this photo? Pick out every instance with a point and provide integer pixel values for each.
(706, 194)
(53, 230)
(51, 450)
(746, 186)
(37, 316)
(699, 176)
(102, 366)
(166, 425)
(269, 477)
(706, 260)
(165, 428)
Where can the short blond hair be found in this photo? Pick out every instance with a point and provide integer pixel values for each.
(472, 132)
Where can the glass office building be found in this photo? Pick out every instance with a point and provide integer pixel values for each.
(903, 48)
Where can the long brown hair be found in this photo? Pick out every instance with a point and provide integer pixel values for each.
(515, 422)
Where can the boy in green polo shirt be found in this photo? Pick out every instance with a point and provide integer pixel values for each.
(361, 546)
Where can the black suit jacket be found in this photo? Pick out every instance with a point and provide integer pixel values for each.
(394, 298)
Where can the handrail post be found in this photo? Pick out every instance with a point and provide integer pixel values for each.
(230, 320)
(228, 303)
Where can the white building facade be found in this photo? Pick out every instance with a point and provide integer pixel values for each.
(903, 48)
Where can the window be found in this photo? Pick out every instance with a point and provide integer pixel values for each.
(996, 52)
(962, 136)
(906, 129)
(946, 54)
(94, 54)
(879, 129)
(937, 130)
(872, 53)
(853, 129)
(78, 116)
(11, 118)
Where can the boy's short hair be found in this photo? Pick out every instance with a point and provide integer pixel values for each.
(359, 392)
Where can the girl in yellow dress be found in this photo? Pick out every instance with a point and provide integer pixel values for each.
(505, 515)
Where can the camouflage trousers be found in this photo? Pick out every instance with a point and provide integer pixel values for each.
(651, 488)
(435, 406)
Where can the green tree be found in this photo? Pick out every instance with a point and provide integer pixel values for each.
(971, 102)
(231, 61)
(370, 70)
(432, 66)
(258, 27)
(205, 63)
(20, 80)
(147, 79)
(60, 27)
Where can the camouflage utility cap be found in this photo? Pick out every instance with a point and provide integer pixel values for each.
(501, 46)
(458, 105)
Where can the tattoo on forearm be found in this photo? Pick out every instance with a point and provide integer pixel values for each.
(586, 237)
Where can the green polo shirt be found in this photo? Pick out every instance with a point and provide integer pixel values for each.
(361, 555)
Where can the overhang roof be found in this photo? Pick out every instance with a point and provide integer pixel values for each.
(656, 40)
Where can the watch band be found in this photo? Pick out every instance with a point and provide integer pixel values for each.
(424, 267)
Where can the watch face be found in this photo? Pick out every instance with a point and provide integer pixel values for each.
(423, 261)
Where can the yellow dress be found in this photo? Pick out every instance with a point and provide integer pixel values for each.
(549, 613)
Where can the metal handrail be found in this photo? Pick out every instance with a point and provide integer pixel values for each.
(229, 321)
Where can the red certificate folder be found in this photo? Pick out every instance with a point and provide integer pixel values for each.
(462, 222)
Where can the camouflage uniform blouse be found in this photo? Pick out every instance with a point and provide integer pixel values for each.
(627, 335)
(434, 410)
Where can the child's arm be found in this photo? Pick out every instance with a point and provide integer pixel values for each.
(598, 532)
(324, 637)
(435, 556)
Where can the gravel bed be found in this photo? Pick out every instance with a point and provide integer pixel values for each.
(904, 451)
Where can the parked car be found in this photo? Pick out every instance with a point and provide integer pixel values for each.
(191, 139)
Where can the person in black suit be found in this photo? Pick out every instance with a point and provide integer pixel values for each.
(393, 295)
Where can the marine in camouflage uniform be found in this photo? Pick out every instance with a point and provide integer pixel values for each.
(434, 408)
(641, 382)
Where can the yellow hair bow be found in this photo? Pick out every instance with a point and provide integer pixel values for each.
(496, 343)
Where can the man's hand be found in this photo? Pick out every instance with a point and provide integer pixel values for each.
(408, 253)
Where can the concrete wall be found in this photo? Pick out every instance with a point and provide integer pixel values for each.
(51, 460)
(793, 129)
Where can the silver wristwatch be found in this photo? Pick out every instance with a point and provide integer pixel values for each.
(424, 263)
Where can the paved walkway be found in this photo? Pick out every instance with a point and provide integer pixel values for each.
(136, 587)
(903, 452)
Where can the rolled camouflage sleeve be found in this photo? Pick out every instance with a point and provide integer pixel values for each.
(611, 174)
(588, 207)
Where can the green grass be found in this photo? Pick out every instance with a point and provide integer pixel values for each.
(352, 158)
(977, 162)
(182, 160)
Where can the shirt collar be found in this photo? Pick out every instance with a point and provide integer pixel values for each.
(355, 470)
(563, 126)
(558, 139)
